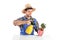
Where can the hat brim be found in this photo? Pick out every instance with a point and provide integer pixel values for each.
(23, 11)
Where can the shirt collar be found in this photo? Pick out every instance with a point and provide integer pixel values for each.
(27, 18)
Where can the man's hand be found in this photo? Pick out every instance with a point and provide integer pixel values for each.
(28, 22)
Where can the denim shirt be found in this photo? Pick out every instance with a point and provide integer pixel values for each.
(24, 26)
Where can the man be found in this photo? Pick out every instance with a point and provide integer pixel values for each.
(27, 20)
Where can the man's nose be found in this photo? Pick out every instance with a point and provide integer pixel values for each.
(30, 12)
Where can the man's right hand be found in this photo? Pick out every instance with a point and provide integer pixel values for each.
(28, 22)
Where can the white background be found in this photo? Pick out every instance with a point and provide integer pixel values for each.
(47, 11)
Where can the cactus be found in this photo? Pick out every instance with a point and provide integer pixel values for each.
(43, 25)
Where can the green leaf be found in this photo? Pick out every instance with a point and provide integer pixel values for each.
(43, 25)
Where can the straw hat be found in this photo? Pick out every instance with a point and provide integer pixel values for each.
(27, 6)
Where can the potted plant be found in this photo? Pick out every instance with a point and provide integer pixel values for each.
(41, 30)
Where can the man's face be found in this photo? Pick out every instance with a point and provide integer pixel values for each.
(29, 12)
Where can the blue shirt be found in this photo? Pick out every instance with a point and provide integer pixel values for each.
(24, 26)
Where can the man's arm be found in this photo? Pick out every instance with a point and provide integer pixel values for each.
(36, 26)
(20, 22)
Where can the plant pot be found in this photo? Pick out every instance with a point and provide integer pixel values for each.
(40, 32)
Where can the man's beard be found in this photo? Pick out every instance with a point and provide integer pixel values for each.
(28, 15)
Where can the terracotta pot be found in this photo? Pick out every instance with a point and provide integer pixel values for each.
(40, 32)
